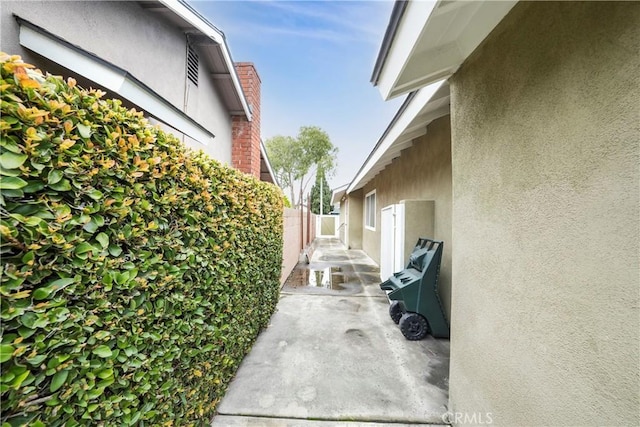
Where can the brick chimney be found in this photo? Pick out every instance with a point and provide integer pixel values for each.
(245, 134)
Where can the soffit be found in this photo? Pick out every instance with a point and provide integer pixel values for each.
(432, 40)
(421, 108)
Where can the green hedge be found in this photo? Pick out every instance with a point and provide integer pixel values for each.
(135, 274)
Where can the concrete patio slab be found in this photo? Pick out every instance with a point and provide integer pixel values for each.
(332, 353)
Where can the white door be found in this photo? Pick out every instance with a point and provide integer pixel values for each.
(391, 240)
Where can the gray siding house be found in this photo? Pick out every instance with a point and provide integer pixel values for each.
(519, 146)
(160, 57)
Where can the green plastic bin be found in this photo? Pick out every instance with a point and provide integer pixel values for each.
(413, 292)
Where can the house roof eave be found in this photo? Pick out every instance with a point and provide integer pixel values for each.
(213, 43)
(396, 15)
(264, 161)
(431, 40)
(338, 193)
(419, 109)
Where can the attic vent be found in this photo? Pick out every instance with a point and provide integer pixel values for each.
(192, 65)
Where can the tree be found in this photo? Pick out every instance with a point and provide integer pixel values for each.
(284, 152)
(294, 158)
(321, 182)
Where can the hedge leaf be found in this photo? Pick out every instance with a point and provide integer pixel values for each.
(136, 274)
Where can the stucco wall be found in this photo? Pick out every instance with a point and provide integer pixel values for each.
(137, 40)
(422, 172)
(206, 107)
(546, 191)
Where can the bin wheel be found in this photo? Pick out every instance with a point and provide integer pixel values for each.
(395, 311)
(414, 326)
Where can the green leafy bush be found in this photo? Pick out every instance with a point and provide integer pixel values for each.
(135, 274)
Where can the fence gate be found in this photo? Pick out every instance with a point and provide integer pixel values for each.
(327, 225)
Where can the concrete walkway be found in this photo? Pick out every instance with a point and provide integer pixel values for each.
(332, 356)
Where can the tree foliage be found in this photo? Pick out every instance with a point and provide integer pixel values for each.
(315, 194)
(284, 154)
(295, 159)
(135, 273)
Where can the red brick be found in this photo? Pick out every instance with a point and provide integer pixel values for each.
(246, 134)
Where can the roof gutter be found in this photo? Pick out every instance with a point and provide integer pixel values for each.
(394, 21)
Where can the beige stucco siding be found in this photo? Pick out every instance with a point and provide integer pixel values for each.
(545, 130)
(139, 41)
(422, 172)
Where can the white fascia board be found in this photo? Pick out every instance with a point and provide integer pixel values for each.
(412, 111)
(113, 79)
(188, 15)
(413, 24)
(213, 33)
(162, 110)
(236, 81)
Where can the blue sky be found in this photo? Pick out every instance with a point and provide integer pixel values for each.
(315, 60)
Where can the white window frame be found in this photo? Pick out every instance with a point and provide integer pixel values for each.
(368, 210)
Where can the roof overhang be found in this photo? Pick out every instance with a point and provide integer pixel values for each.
(431, 39)
(212, 46)
(410, 122)
(266, 171)
(338, 193)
